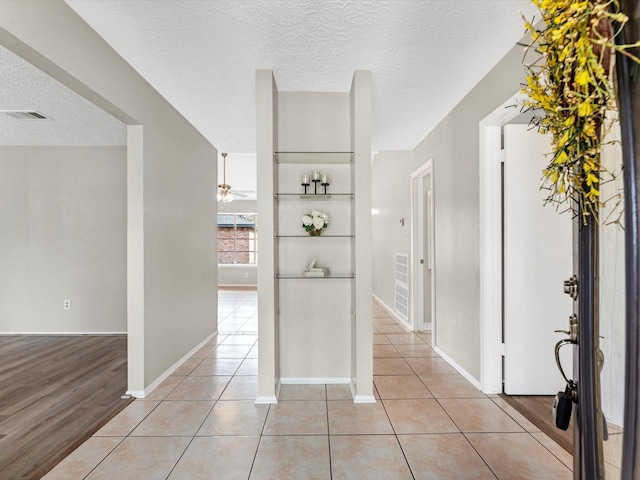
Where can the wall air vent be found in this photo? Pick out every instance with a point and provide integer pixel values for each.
(24, 114)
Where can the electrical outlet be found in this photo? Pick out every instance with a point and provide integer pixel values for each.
(67, 304)
(246, 274)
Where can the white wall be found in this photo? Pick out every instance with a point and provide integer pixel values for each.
(230, 275)
(454, 146)
(171, 175)
(64, 236)
(391, 199)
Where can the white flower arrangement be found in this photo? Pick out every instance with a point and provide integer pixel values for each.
(314, 222)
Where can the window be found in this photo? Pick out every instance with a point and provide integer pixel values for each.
(237, 239)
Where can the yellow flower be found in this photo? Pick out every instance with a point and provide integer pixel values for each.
(591, 179)
(562, 142)
(583, 78)
(589, 130)
(585, 109)
(561, 158)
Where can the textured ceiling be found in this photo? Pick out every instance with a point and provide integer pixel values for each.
(201, 55)
(72, 119)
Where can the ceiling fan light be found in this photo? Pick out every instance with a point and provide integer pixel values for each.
(224, 192)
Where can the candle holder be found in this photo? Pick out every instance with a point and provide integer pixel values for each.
(315, 185)
(325, 185)
(305, 185)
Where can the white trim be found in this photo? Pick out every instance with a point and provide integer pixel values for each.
(403, 323)
(364, 399)
(269, 399)
(460, 370)
(415, 291)
(360, 398)
(231, 266)
(266, 400)
(490, 133)
(314, 381)
(170, 370)
(62, 334)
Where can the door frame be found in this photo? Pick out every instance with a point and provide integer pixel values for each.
(417, 240)
(490, 201)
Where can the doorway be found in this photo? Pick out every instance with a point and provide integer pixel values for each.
(492, 345)
(422, 248)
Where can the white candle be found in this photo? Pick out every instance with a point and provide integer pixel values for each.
(324, 178)
(305, 179)
(316, 175)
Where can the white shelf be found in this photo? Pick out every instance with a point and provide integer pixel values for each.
(320, 197)
(315, 236)
(301, 276)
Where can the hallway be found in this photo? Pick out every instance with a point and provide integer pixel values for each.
(428, 422)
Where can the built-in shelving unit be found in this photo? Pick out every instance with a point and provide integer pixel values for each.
(334, 254)
(314, 329)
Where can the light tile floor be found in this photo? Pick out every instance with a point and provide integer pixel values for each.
(428, 423)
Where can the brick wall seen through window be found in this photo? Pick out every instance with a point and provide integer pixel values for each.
(237, 239)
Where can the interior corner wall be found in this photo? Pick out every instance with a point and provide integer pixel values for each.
(64, 236)
(391, 202)
(178, 174)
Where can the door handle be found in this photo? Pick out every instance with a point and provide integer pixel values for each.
(422, 261)
(573, 328)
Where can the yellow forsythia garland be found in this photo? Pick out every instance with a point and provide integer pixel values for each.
(571, 84)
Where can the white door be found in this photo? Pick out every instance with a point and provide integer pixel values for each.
(427, 252)
(537, 259)
(423, 265)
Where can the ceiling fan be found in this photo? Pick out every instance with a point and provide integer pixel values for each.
(225, 192)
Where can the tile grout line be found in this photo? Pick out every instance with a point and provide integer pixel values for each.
(395, 434)
(326, 403)
(101, 461)
(530, 433)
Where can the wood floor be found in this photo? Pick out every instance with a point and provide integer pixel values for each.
(537, 409)
(55, 392)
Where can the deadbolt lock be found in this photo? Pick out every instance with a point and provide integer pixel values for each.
(571, 287)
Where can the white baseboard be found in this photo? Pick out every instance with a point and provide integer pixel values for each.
(63, 334)
(403, 323)
(364, 399)
(428, 327)
(269, 399)
(360, 398)
(169, 371)
(313, 381)
(460, 370)
(266, 400)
